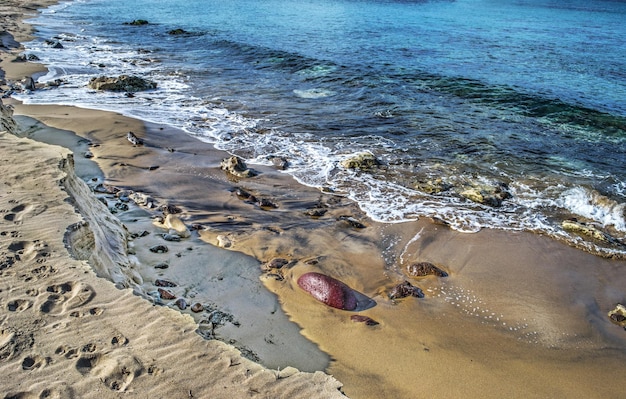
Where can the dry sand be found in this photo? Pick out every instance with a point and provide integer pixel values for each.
(519, 316)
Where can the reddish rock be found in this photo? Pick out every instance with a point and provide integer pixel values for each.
(165, 294)
(197, 307)
(425, 269)
(328, 290)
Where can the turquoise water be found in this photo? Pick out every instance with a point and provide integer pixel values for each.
(522, 97)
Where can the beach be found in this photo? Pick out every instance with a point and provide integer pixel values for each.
(92, 307)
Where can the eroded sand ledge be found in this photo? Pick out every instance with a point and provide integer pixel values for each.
(65, 332)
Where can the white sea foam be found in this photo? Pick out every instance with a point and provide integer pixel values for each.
(313, 93)
(594, 206)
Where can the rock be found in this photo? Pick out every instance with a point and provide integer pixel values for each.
(170, 237)
(88, 154)
(405, 289)
(26, 57)
(169, 209)
(352, 222)
(425, 269)
(486, 195)
(162, 265)
(28, 83)
(618, 315)
(278, 162)
(174, 223)
(181, 303)
(134, 140)
(142, 199)
(165, 294)
(197, 307)
(237, 167)
(54, 44)
(164, 283)
(137, 22)
(224, 242)
(357, 318)
(315, 212)
(433, 186)
(121, 206)
(275, 263)
(328, 290)
(121, 83)
(267, 204)
(244, 195)
(140, 234)
(178, 31)
(159, 249)
(364, 161)
(588, 230)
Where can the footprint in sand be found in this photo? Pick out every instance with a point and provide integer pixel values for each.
(13, 342)
(67, 296)
(19, 212)
(19, 305)
(67, 352)
(29, 250)
(34, 362)
(115, 370)
(91, 312)
(59, 391)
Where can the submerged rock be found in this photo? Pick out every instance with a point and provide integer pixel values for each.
(487, 195)
(357, 318)
(177, 31)
(137, 22)
(181, 303)
(425, 269)
(121, 83)
(364, 161)
(404, 290)
(275, 263)
(165, 294)
(159, 249)
(589, 230)
(328, 290)
(164, 283)
(433, 186)
(197, 307)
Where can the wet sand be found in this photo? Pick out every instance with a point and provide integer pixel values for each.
(520, 315)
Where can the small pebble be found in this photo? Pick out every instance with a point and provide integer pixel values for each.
(197, 307)
(159, 249)
(181, 303)
(164, 283)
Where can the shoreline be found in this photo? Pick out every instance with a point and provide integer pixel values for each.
(527, 282)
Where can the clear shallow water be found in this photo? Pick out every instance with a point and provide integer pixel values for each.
(525, 96)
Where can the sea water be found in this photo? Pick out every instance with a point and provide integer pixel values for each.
(524, 98)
